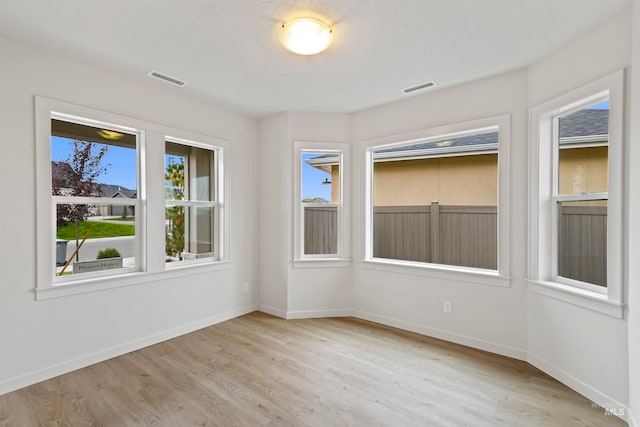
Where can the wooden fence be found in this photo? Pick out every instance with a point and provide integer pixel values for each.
(452, 235)
(320, 230)
(465, 236)
(582, 244)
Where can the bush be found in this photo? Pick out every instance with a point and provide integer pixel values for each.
(108, 253)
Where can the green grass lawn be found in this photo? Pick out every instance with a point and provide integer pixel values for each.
(100, 229)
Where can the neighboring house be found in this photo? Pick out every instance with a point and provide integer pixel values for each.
(62, 170)
(116, 191)
(464, 170)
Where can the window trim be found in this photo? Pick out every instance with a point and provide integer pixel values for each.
(484, 276)
(542, 266)
(151, 200)
(342, 258)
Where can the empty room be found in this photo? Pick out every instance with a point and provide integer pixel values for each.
(320, 213)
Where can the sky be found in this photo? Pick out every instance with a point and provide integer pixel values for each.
(601, 106)
(122, 169)
(312, 179)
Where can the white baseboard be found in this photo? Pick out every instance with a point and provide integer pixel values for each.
(479, 344)
(313, 314)
(100, 356)
(274, 311)
(608, 405)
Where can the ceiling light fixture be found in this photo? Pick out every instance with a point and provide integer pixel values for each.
(306, 36)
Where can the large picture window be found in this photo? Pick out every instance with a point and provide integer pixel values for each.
(576, 195)
(437, 200)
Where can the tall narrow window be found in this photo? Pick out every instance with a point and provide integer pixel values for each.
(581, 168)
(319, 213)
(192, 203)
(320, 202)
(576, 195)
(436, 200)
(94, 177)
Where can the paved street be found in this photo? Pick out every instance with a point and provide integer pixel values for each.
(91, 247)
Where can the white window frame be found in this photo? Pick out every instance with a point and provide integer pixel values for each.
(342, 257)
(543, 198)
(499, 277)
(217, 204)
(150, 213)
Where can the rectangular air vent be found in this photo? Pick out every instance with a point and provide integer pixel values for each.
(418, 87)
(173, 80)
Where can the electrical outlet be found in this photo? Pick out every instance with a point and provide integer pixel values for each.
(446, 307)
(245, 287)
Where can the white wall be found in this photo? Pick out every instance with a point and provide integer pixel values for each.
(484, 316)
(585, 349)
(634, 227)
(40, 339)
(274, 196)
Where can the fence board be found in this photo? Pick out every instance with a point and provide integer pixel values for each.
(582, 253)
(320, 230)
(402, 232)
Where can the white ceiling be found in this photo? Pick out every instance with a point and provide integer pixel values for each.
(229, 53)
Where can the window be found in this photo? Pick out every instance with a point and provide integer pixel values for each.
(319, 209)
(99, 225)
(192, 211)
(94, 177)
(576, 189)
(439, 199)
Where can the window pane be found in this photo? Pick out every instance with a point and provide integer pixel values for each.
(174, 232)
(583, 145)
(189, 232)
(202, 173)
(174, 183)
(320, 230)
(436, 201)
(582, 241)
(320, 177)
(109, 229)
(88, 161)
(189, 172)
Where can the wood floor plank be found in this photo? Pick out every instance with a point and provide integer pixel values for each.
(259, 370)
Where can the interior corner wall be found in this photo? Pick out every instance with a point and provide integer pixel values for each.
(41, 339)
(274, 207)
(286, 291)
(586, 350)
(633, 334)
(484, 316)
(324, 291)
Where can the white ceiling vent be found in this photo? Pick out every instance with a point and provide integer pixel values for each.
(418, 87)
(173, 80)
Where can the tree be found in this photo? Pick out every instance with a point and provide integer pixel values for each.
(77, 177)
(174, 186)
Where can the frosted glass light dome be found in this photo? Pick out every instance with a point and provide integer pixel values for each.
(306, 36)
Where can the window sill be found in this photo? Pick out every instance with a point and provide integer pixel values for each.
(322, 263)
(118, 281)
(458, 274)
(576, 296)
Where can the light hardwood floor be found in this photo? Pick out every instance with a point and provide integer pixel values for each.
(258, 370)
